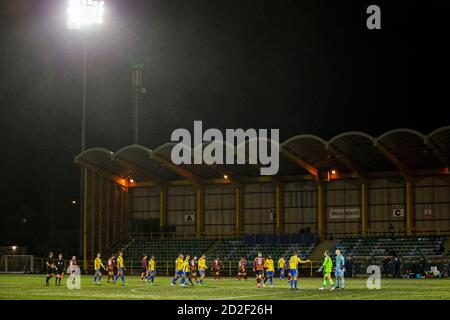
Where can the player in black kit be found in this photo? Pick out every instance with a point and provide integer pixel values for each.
(60, 266)
(50, 264)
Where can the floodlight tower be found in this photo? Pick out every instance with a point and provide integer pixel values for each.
(82, 14)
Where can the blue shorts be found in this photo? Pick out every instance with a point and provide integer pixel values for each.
(293, 272)
(179, 273)
(187, 274)
(152, 273)
(281, 270)
(201, 272)
(339, 272)
(97, 271)
(120, 270)
(269, 273)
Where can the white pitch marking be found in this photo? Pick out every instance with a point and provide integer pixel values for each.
(248, 296)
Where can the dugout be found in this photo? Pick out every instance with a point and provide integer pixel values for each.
(353, 184)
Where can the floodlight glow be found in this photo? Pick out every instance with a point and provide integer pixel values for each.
(14, 248)
(81, 13)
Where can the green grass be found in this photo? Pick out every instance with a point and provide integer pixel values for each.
(33, 287)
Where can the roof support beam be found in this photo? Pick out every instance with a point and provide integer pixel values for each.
(153, 177)
(192, 177)
(404, 170)
(320, 211)
(279, 208)
(301, 162)
(341, 156)
(274, 179)
(409, 207)
(231, 175)
(436, 151)
(89, 165)
(162, 207)
(364, 207)
(239, 194)
(199, 212)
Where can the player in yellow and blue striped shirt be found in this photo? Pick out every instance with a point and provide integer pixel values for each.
(178, 269)
(98, 272)
(151, 270)
(281, 265)
(186, 272)
(202, 268)
(269, 266)
(120, 269)
(293, 269)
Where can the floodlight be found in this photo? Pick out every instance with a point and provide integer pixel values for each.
(82, 13)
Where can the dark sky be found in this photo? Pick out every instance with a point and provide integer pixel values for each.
(300, 66)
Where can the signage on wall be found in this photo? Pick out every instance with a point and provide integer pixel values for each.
(345, 213)
(189, 216)
(428, 212)
(273, 214)
(398, 210)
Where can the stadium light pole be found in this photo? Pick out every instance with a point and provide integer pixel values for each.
(138, 90)
(82, 14)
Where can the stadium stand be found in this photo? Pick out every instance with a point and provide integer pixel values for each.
(234, 249)
(416, 254)
(350, 188)
(228, 249)
(379, 247)
(164, 249)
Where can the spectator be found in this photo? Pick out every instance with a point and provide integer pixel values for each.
(392, 229)
(349, 267)
(441, 249)
(446, 268)
(385, 267)
(414, 267)
(422, 265)
(397, 264)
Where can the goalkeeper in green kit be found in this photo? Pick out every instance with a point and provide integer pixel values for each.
(327, 266)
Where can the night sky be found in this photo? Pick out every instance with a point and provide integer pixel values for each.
(300, 66)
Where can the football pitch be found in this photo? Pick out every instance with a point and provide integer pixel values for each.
(32, 287)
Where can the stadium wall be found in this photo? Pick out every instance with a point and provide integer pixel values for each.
(300, 206)
(114, 209)
(107, 214)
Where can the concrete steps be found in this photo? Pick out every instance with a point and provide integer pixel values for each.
(317, 254)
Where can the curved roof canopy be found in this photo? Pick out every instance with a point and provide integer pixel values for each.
(402, 151)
